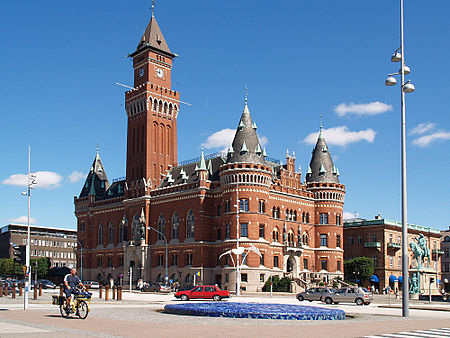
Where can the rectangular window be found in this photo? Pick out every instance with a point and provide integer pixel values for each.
(160, 260)
(359, 239)
(261, 260)
(227, 231)
(218, 210)
(82, 226)
(110, 262)
(189, 259)
(121, 261)
(99, 262)
(305, 263)
(227, 258)
(391, 237)
(227, 206)
(262, 277)
(244, 259)
(243, 205)
(338, 265)
(391, 261)
(262, 207)
(338, 219)
(261, 230)
(244, 277)
(323, 240)
(324, 264)
(399, 261)
(446, 253)
(338, 241)
(350, 240)
(323, 218)
(174, 259)
(399, 239)
(244, 230)
(227, 278)
(446, 267)
(275, 261)
(374, 238)
(375, 261)
(219, 234)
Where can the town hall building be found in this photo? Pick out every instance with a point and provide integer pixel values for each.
(176, 220)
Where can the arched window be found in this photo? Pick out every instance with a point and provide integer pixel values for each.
(305, 238)
(170, 109)
(160, 106)
(275, 236)
(190, 224)
(278, 212)
(174, 277)
(120, 233)
(307, 217)
(161, 227)
(175, 225)
(100, 234)
(295, 216)
(110, 233)
(165, 107)
(274, 212)
(188, 278)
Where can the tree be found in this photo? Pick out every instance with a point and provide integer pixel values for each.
(43, 266)
(358, 268)
(278, 285)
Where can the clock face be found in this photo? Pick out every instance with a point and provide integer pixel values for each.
(159, 72)
(141, 72)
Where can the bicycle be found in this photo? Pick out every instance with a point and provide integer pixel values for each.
(80, 305)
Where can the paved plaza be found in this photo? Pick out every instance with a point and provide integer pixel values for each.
(139, 315)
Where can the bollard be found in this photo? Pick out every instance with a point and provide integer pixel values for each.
(61, 290)
(13, 295)
(1, 289)
(40, 290)
(100, 292)
(119, 293)
(87, 288)
(6, 289)
(20, 289)
(106, 292)
(114, 292)
(35, 292)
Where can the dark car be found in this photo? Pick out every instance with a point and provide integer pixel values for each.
(156, 287)
(203, 292)
(46, 284)
(314, 294)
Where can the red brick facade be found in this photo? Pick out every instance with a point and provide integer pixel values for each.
(196, 208)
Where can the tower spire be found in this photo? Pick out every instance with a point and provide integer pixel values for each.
(153, 8)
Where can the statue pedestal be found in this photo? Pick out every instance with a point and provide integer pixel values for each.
(414, 296)
(428, 281)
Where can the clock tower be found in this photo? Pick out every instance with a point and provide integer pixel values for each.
(152, 109)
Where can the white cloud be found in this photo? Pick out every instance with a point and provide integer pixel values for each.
(223, 138)
(75, 176)
(350, 215)
(220, 139)
(341, 136)
(372, 108)
(422, 128)
(23, 220)
(426, 140)
(44, 179)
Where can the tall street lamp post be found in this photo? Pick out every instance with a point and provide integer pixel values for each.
(165, 242)
(81, 259)
(406, 87)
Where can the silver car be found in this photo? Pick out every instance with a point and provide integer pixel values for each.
(314, 294)
(358, 295)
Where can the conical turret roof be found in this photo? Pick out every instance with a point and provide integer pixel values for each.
(246, 142)
(321, 167)
(96, 182)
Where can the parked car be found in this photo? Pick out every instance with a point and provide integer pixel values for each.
(156, 287)
(203, 292)
(92, 284)
(314, 294)
(349, 295)
(46, 284)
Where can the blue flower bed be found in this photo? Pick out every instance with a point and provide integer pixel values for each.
(256, 310)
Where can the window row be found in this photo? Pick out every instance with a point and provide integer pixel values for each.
(50, 243)
(159, 106)
(329, 195)
(53, 254)
(246, 178)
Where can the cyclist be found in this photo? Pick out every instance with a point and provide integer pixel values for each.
(71, 281)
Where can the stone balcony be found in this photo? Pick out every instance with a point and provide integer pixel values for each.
(372, 244)
(394, 246)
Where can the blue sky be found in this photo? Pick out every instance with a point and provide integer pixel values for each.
(299, 59)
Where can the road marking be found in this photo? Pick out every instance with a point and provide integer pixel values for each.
(444, 332)
(15, 328)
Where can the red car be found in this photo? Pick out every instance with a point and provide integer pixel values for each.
(203, 292)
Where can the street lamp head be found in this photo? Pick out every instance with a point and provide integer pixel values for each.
(390, 81)
(24, 193)
(396, 57)
(408, 88)
(406, 69)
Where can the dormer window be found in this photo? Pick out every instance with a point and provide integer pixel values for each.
(241, 125)
(244, 148)
(322, 170)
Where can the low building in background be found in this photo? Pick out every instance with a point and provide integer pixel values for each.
(58, 244)
(381, 240)
(445, 247)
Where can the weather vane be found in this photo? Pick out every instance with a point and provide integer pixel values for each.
(153, 7)
(321, 125)
(246, 94)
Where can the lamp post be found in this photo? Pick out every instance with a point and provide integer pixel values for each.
(406, 87)
(31, 181)
(165, 242)
(238, 277)
(81, 260)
